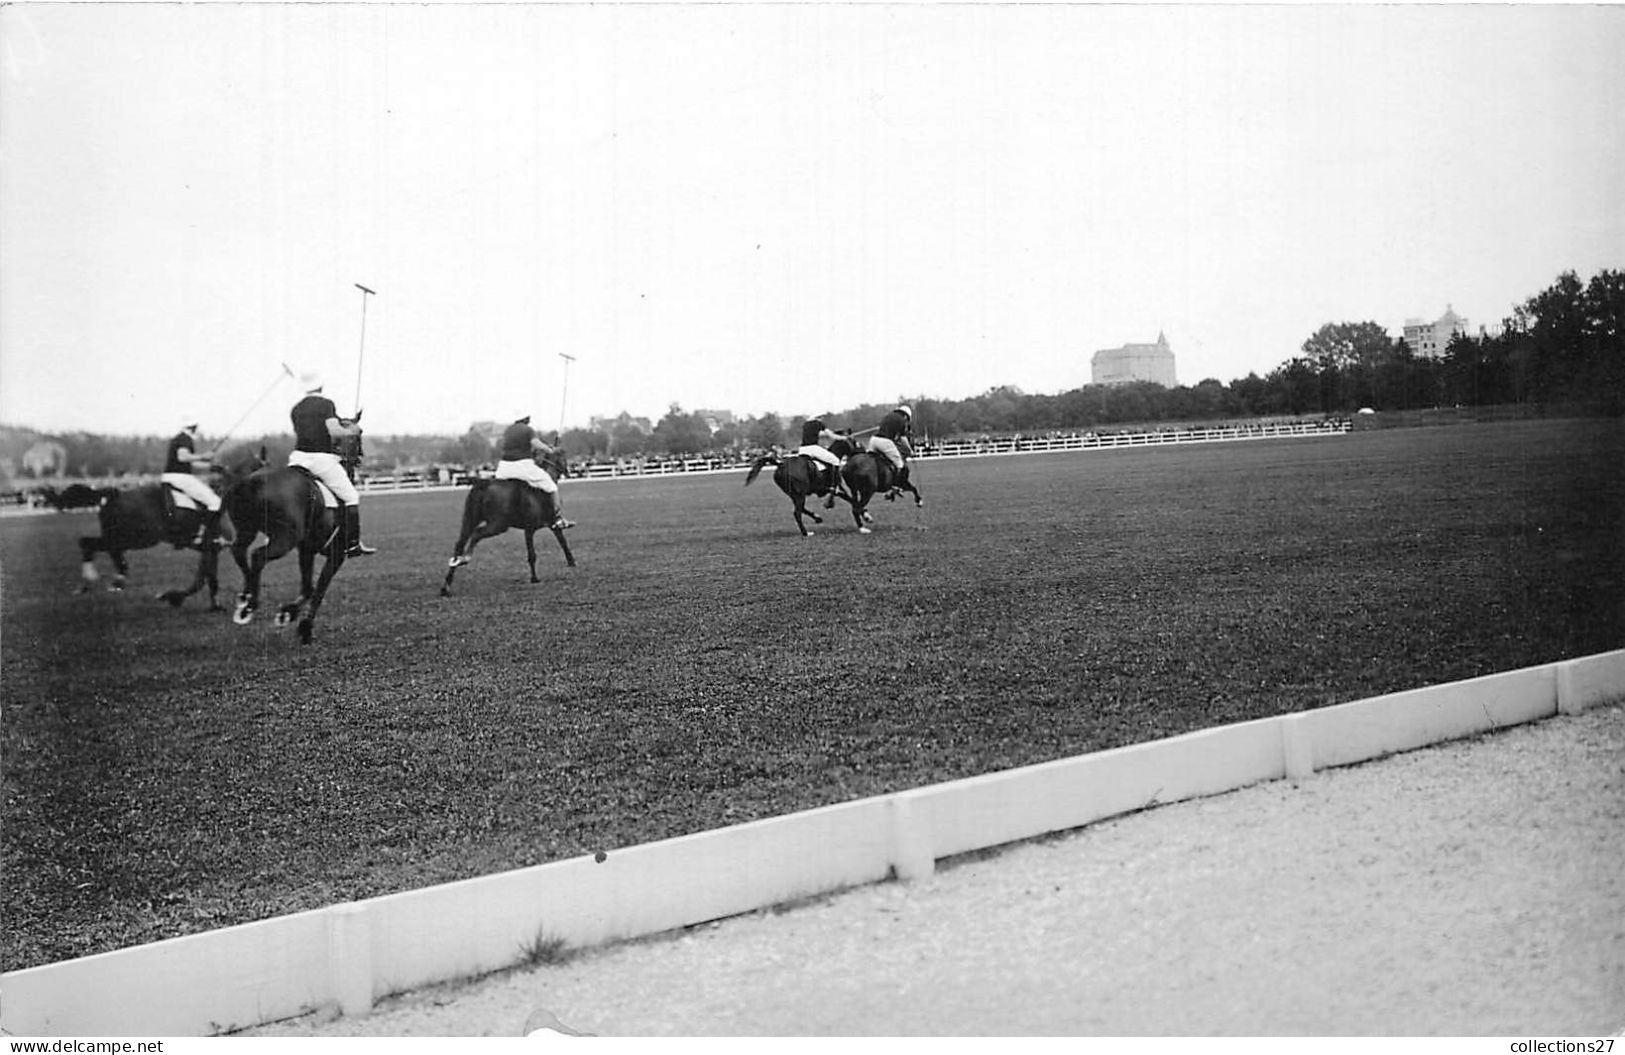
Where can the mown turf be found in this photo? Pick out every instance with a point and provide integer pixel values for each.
(168, 772)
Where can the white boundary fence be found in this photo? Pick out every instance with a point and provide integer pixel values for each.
(352, 954)
(1088, 441)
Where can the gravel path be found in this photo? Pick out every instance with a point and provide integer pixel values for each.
(1475, 888)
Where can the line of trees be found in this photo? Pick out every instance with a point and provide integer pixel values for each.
(1563, 347)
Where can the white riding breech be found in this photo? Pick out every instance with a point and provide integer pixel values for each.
(329, 470)
(819, 452)
(888, 448)
(527, 470)
(193, 488)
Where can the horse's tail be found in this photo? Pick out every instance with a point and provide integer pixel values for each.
(758, 465)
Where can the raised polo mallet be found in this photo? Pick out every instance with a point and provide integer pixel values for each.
(361, 355)
(564, 390)
(268, 390)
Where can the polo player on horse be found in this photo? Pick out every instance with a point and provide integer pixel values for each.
(181, 463)
(891, 439)
(517, 461)
(316, 424)
(813, 434)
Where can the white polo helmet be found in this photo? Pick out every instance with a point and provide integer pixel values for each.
(188, 422)
(312, 380)
(905, 408)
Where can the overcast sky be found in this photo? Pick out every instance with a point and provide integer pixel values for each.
(790, 208)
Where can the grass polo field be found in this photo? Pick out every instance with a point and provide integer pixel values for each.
(168, 772)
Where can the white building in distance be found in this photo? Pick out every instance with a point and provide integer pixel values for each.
(1429, 340)
(1134, 362)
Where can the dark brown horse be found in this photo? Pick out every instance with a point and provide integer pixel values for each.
(280, 510)
(869, 473)
(801, 478)
(494, 506)
(148, 516)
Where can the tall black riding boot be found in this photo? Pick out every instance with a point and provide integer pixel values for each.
(212, 530)
(352, 533)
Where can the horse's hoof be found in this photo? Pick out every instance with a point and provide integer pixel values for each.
(864, 531)
(445, 591)
(456, 562)
(283, 619)
(806, 534)
(242, 616)
(304, 631)
(174, 597)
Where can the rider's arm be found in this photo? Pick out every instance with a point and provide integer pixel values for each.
(337, 428)
(190, 458)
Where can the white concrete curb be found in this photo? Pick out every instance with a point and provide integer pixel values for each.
(350, 955)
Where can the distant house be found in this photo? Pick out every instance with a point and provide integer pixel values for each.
(642, 426)
(1134, 362)
(715, 420)
(1430, 340)
(45, 458)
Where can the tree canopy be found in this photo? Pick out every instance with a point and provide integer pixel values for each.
(1564, 346)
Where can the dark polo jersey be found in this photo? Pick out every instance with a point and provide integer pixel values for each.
(516, 442)
(895, 425)
(310, 424)
(172, 457)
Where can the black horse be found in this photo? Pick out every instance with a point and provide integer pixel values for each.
(494, 506)
(801, 478)
(147, 516)
(869, 473)
(277, 510)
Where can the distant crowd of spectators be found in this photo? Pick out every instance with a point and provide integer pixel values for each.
(80, 495)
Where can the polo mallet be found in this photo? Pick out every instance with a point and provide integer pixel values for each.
(361, 355)
(268, 390)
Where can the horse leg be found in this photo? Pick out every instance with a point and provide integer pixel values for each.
(530, 552)
(122, 568)
(307, 569)
(177, 597)
(569, 558)
(208, 565)
(905, 484)
(464, 551)
(860, 510)
(335, 559)
(211, 576)
(252, 565)
(799, 509)
(87, 562)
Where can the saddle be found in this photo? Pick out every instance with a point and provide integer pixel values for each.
(822, 476)
(329, 499)
(176, 500)
(885, 473)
